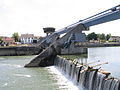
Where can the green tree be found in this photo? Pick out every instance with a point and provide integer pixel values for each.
(1, 40)
(108, 36)
(92, 36)
(102, 36)
(15, 35)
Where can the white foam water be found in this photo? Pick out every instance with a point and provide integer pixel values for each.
(21, 75)
(12, 65)
(62, 79)
(4, 85)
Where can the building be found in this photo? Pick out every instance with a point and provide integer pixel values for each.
(7, 40)
(115, 38)
(27, 38)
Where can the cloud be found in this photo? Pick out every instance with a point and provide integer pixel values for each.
(30, 16)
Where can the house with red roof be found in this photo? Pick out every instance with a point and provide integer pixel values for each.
(7, 40)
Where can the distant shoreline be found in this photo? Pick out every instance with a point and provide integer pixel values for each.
(89, 44)
(31, 50)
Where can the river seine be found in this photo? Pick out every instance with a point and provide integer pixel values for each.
(13, 75)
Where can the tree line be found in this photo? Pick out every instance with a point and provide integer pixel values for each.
(91, 36)
(102, 37)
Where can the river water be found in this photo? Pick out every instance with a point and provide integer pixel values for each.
(13, 75)
(106, 54)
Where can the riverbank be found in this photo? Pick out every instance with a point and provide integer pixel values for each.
(32, 50)
(18, 51)
(97, 44)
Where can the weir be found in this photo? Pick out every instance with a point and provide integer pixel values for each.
(54, 45)
(89, 80)
(45, 58)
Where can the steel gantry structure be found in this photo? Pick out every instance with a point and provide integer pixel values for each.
(52, 44)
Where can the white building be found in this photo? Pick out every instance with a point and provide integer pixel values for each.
(115, 38)
(27, 38)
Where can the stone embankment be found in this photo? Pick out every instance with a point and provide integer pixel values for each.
(18, 51)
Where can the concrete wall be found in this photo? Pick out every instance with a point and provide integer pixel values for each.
(80, 37)
(16, 51)
(72, 50)
(89, 79)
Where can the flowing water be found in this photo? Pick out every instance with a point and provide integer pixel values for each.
(92, 79)
(106, 54)
(13, 75)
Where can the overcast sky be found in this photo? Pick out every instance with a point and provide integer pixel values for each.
(30, 16)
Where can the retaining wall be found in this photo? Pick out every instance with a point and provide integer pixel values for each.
(17, 51)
